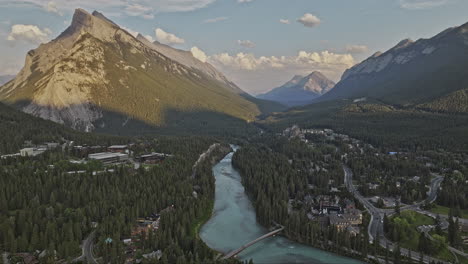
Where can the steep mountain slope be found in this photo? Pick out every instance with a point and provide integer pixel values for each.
(300, 90)
(96, 75)
(6, 78)
(410, 73)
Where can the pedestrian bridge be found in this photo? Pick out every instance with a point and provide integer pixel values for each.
(239, 250)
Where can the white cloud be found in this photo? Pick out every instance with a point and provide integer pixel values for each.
(244, 1)
(309, 20)
(135, 9)
(248, 61)
(199, 54)
(285, 21)
(51, 7)
(132, 7)
(29, 33)
(214, 20)
(246, 43)
(258, 74)
(149, 38)
(421, 4)
(167, 38)
(355, 49)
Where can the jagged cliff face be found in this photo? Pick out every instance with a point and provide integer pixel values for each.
(412, 72)
(94, 68)
(187, 59)
(300, 90)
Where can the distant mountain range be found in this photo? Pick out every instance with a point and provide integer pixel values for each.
(96, 76)
(300, 90)
(6, 78)
(428, 73)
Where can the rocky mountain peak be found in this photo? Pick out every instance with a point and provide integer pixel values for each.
(95, 24)
(377, 54)
(403, 44)
(300, 90)
(316, 74)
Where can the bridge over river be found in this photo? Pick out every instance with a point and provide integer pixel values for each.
(239, 250)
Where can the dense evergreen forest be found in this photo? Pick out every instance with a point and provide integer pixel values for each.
(42, 207)
(392, 127)
(392, 176)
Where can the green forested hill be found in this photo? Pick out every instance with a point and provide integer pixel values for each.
(381, 124)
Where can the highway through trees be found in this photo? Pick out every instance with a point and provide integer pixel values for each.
(377, 215)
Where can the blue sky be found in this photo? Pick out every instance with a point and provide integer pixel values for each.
(244, 39)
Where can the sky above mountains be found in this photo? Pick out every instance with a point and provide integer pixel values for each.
(259, 44)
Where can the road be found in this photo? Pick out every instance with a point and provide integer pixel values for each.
(376, 223)
(87, 250)
(5, 258)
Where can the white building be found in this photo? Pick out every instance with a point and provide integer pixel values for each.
(31, 152)
(109, 157)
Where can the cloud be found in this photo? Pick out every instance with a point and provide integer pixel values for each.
(144, 8)
(214, 20)
(51, 7)
(149, 38)
(257, 74)
(168, 38)
(135, 9)
(246, 44)
(29, 33)
(199, 54)
(421, 4)
(244, 1)
(309, 20)
(248, 61)
(356, 49)
(285, 21)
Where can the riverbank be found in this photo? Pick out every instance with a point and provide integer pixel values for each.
(214, 156)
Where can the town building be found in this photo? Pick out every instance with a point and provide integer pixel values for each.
(153, 158)
(109, 157)
(31, 152)
(117, 149)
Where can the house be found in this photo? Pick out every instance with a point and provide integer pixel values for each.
(109, 157)
(117, 149)
(353, 230)
(31, 152)
(153, 255)
(51, 145)
(343, 221)
(153, 158)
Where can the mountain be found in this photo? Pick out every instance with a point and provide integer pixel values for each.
(6, 78)
(95, 76)
(413, 73)
(300, 90)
